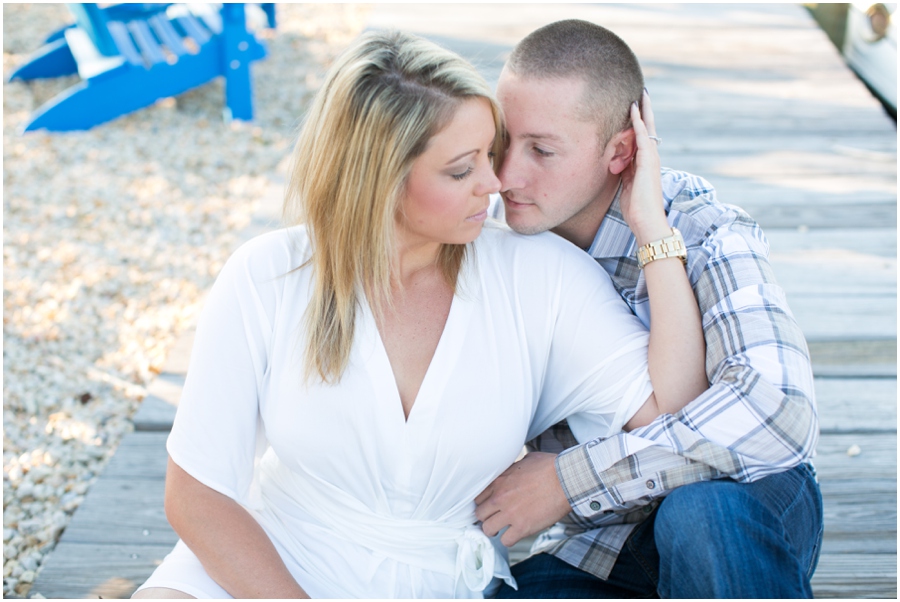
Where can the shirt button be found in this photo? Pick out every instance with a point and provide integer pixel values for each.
(651, 484)
(595, 506)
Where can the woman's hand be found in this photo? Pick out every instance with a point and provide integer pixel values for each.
(642, 200)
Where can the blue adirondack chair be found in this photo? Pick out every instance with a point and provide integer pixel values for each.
(130, 55)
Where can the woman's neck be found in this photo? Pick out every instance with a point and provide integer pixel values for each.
(415, 261)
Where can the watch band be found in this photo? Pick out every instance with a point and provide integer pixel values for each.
(671, 246)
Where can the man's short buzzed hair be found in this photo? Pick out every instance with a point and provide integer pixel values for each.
(576, 48)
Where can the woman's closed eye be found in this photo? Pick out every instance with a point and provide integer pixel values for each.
(463, 175)
(541, 152)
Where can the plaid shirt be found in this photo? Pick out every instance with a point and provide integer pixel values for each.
(758, 416)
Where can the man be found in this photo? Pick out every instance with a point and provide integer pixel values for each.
(718, 500)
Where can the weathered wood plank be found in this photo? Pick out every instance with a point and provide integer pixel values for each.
(157, 410)
(122, 511)
(808, 197)
(845, 317)
(154, 414)
(87, 570)
(872, 358)
(688, 144)
(860, 515)
(877, 458)
(856, 277)
(863, 243)
(140, 456)
(796, 210)
(857, 404)
(856, 576)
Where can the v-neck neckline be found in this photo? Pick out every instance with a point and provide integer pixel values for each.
(437, 374)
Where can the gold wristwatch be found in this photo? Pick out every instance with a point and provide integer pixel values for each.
(671, 246)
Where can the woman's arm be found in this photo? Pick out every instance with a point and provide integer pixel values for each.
(230, 544)
(677, 351)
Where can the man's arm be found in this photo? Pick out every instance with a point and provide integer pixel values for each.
(757, 418)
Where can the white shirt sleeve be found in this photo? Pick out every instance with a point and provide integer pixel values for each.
(597, 373)
(218, 436)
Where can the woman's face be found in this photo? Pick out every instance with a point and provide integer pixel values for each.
(447, 191)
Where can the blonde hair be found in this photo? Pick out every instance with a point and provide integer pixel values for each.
(381, 103)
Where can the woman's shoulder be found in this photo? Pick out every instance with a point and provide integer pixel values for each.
(272, 254)
(502, 243)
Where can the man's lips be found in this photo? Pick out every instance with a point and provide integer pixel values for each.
(510, 203)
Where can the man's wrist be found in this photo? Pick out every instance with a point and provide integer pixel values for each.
(580, 483)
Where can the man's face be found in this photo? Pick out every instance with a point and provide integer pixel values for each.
(555, 175)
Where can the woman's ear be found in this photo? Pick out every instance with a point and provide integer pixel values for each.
(623, 151)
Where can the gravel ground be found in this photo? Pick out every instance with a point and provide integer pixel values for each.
(109, 237)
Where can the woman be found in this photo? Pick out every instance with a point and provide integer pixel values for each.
(356, 381)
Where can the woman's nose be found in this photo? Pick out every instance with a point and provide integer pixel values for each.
(492, 183)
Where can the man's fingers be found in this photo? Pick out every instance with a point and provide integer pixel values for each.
(486, 510)
(511, 537)
(493, 525)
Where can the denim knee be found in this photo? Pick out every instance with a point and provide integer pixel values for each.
(727, 539)
(693, 519)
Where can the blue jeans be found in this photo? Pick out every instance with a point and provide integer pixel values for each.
(716, 539)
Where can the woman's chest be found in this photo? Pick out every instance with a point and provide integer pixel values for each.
(468, 423)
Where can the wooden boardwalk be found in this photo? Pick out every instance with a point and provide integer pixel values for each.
(755, 99)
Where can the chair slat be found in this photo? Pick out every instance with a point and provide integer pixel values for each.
(193, 29)
(122, 38)
(167, 35)
(210, 16)
(148, 44)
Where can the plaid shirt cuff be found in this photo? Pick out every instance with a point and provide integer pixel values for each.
(587, 495)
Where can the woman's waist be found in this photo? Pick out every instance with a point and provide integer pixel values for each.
(451, 544)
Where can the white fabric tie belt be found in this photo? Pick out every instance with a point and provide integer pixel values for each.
(452, 546)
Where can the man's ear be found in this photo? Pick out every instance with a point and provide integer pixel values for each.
(623, 148)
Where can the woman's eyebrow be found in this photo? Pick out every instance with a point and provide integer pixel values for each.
(460, 156)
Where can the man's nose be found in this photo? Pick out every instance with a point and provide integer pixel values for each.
(509, 173)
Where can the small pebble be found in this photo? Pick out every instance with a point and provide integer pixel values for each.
(854, 450)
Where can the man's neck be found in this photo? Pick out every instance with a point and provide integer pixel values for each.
(581, 228)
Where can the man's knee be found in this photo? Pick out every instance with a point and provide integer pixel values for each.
(727, 539)
(698, 512)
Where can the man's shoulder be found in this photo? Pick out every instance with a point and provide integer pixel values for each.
(695, 209)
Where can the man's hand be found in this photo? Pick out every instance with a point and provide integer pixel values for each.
(527, 498)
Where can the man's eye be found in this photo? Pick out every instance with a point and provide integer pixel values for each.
(542, 152)
(463, 175)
